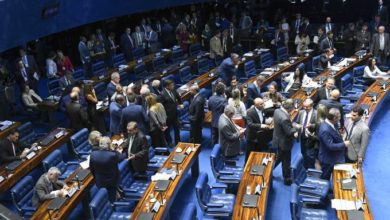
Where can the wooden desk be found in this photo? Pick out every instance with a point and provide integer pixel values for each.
(70, 204)
(338, 175)
(374, 106)
(28, 165)
(6, 131)
(174, 186)
(203, 81)
(240, 212)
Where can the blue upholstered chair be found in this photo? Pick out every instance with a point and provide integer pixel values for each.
(211, 203)
(78, 74)
(100, 90)
(133, 188)
(224, 171)
(125, 78)
(54, 88)
(315, 64)
(189, 212)
(159, 63)
(203, 66)
(282, 54)
(185, 75)
(177, 55)
(250, 69)
(266, 60)
(119, 59)
(27, 135)
(55, 160)
(138, 53)
(298, 208)
(80, 144)
(98, 67)
(21, 194)
(140, 71)
(101, 209)
(195, 49)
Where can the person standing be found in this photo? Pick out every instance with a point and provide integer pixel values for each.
(137, 148)
(380, 45)
(158, 121)
(216, 105)
(196, 114)
(85, 56)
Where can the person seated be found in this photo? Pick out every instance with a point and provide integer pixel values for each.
(30, 98)
(276, 97)
(66, 80)
(11, 148)
(371, 71)
(326, 58)
(296, 80)
(48, 187)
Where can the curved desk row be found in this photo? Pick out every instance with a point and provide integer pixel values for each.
(6, 131)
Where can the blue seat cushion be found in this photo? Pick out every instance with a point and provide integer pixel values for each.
(311, 214)
(226, 199)
(321, 187)
(120, 216)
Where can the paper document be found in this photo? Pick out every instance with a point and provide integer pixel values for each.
(268, 104)
(342, 204)
(85, 164)
(343, 167)
(118, 142)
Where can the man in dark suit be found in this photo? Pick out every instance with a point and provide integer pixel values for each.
(278, 41)
(137, 148)
(227, 69)
(77, 114)
(326, 58)
(11, 149)
(296, 24)
(127, 44)
(283, 137)
(48, 187)
(171, 100)
(151, 38)
(134, 112)
(382, 12)
(233, 86)
(255, 90)
(305, 124)
(380, 45)
(196, 114)
(332, 146)
(227, 44)
(333, 103)
(324, 92)
(329, 26)
(85, 57)
(116, 113)
(216, 105)
(258, 133)
(25, 76)
(327, 42)
(67, 80)
(363, 38)
(229, 133)
(155, 87)
(29, 62)
(111, 86)
(103, 164)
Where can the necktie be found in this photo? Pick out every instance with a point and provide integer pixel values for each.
(171, 95)
(296, 25)
(305, 123)
(350, 131)
(130, 145)
(139, 38)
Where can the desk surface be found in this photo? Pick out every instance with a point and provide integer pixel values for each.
(338, 175)
(28, 165)
(255, 158)
(203, 81)
(5, 132)
(173, 187)
(70, 204)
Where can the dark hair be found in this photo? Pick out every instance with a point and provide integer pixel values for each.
(131, 98)
(12, 132)
(369, 63)
(300, 76)
(88, 89)
(332, 113)
(358, 110)
(168, 82)
(220, 89)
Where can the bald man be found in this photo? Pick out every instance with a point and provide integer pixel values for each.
(258, 132)
(333, 103)
(77, 115)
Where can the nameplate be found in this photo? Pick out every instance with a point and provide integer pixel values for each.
(72, 192)
(30, 155)
(178, 158)
(348, 184)
(156, 206)
(250, 201)
(355, 215)
(161, 185)
(257, 170)
(57, 203)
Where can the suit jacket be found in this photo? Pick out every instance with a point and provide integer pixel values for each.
(104, 167)
(326, 43)
(7, 153)
(279, 40)
(321, 94)
(375, 45)
(152, 39)
(253, 93)
(63, 83)
(78, 116)
(140, 149)
(170, 104)
(363, 40)
(42, 190)
(127, 44)
(215, 47)
(229, 137)
(301, 120)
(216, 105)
(254, 131)
(359, 139)
(329, 103)
(136, 113)
(115, 117)
(283, 135)
(111, 89)
(327, 28)
(332, 147)
(383, 13)
(196, 110)
(227, 50)
(227, 70)
(156, 91)
(85, 54)
(138, 38)
(324, 61)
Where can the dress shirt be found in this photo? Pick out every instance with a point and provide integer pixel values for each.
(260, 114)
(25, 61)
(130, 144)
(381, 41)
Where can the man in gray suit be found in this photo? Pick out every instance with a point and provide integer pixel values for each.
(305, 124)
(380, 45)
(358, 133)
(229, 133)
(48, 187)
(283, 137)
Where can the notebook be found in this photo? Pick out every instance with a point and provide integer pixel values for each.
(257, 170)
(348, 184)
(355, 215)
(161, 185)
(82, 175)
(178, 158)
(250, 201)
(13, 165)
(146, 216)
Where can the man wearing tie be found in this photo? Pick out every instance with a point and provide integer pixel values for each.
(332, 146)
(216, 104)
(382, 12)
(85, 56)
(305, 124)
(326, 58)
(297, 23)
(358, 133)
(333, 102)
(10, 148)
(327, 42)
(328, 25)
(127, 44)
(196, 114)
(380, 46)
(151, 38)
(324, 92)
(137, 148)
(67, 80)
(226, 43)
(255, 90)
(139, 37)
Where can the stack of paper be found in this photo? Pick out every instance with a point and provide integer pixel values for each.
(343, 167)
(85, 164)
(342, 204)
(118, 142)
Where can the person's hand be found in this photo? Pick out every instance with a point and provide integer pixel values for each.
(348, 143)
(296, 134)
(298, 126)
(131, 157)
(181, 106)
(66, 187)
(164, 128)
(62, 193)
(360, 160)
(119, 149)
(122, 135)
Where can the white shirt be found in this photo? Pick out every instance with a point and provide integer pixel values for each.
(51, 68)
(308, 119)
(381, 41)
(376, 73)
(27, 98)
(131, 140)
(290, 80)
(260, 114)
(239, 111)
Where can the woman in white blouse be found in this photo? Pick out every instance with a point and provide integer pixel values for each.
(30, 98)
(302, 41)
(237, 104)
(296, 80)
(373, 72)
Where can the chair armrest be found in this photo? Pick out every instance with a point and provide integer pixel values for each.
(162, 150)
(313, 172)
(351, 98)
(214, 205)
(363, 87)
(30, 209)
(73, 163)
(130, 190)
(218, 186)
(309, 200)
(141, 176)
(351, 92)
(224, 172)
(122, 203)
(307, 186)
(152, 161)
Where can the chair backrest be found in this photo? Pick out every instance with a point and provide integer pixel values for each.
(158, 63)
(118, 59)
(26, 133)
(203, 191)
(183, 112)
(80, 142)
(54, 87)
(358, 72)
(54, 160)
(266, 60)
(165, 78)
(282, 54)
(203, 66)
(140, 68)
(177, 54)
(250, 68)
(100, 90)
(346, 83)
(22, 192)
(195, 49)
(78, 74)
(126, 174)
(100, 208)
(98, 66)
(294, 203)
(315, 63)
(216, 160)
(189, 212)
(185, 74)
(298, 171)
(125, 78)
(138, 53)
